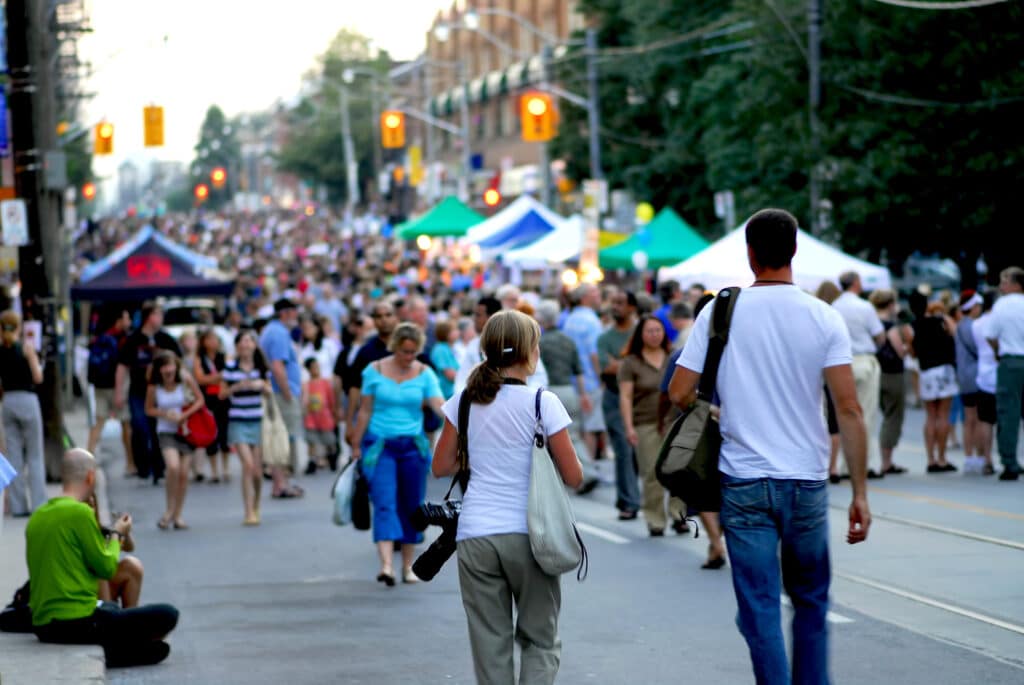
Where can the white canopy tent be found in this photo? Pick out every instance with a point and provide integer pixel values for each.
(519, 208)
(561, 245)
(724, 264)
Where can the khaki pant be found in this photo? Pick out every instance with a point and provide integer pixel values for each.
(567, 395)
(867, 374)
(494, 572)
(653, 500)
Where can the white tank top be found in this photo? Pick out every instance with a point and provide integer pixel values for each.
(169, 399)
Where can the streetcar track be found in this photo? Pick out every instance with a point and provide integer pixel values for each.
(946, 530)
(931, 602)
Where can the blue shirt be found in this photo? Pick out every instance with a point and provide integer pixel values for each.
(442, 357)
(276, 342)
(398, 407)
(666, 320)
(583, 326)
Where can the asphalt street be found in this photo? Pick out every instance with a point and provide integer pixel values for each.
(934, 596)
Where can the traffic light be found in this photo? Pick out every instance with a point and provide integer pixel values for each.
(153, 126)
(202, 192)
(219, 177)
(104, 144)
(89, 191)
(392, 129)
(538, 117)
(492, 197)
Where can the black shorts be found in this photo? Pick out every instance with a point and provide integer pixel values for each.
(987, 407)
(970, 399)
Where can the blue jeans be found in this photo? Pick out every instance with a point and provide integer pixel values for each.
(758, 516)
(145, 451)
(627, 489)
(397, 487)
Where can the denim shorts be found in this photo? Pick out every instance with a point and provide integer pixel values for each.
(244, 432)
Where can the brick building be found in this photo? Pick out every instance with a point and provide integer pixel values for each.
(501, 58)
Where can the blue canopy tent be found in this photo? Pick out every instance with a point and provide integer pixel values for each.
(150, 265)
(527, 229)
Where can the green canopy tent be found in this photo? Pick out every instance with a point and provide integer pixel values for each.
(449, 217)
(667, 240)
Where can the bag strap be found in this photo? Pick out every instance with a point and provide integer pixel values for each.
(721, 319)
(539, 437)
(461, 476)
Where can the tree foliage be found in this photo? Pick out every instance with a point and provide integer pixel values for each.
(314, 150)
(921, 147)
(218, 146)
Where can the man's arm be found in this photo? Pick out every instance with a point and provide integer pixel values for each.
(682, 389)
(281, 378)
(855, 446)
(99, 555)
(120, 378)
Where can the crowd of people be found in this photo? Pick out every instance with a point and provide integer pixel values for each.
(352, 346)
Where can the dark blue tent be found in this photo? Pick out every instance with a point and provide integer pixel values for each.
(528, 229)
(149, 265)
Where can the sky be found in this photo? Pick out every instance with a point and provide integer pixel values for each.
(242, 55)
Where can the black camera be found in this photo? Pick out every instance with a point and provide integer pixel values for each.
(445, 515)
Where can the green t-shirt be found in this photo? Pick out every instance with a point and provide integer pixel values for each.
(67, 555)
(609, 346)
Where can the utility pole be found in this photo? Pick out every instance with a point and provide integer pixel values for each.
(547, 52)
(467, 149)
(813, 102)
(33, 131)
(594, 106)
(351, 166)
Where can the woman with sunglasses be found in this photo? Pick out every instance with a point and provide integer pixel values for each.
(20, 372)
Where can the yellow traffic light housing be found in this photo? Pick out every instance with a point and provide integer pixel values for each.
(104, 144)
(153, 126)
(392, 129)
(538, 117)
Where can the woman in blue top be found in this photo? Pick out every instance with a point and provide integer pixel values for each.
(443, 357)
(395, 453)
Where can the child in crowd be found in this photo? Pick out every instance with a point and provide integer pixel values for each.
(320, 410)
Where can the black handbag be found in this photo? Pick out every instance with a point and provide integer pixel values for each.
(361, 502)
(687, 465)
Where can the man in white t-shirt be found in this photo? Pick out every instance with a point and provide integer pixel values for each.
(986, 382)
(867, 334)
(1006, 335)
(775, 449)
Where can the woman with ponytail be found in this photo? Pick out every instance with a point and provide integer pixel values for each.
(495, 560)
(20, 372)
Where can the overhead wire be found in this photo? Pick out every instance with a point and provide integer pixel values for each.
(942, 6)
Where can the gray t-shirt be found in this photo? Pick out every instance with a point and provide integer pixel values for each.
(966, 357)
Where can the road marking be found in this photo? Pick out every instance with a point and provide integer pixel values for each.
(602, 533)
(831, 617)
(925, 499)
(1012, 544)
(928, 601)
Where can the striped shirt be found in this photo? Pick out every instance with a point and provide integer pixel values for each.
(245, 404)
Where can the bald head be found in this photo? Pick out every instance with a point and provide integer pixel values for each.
(76, 466)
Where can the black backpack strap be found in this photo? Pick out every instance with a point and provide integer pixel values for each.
(538, 434)
(721, 318)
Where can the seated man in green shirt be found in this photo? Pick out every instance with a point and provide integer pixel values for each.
(67, 555)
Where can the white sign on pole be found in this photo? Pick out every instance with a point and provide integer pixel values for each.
(15, 222)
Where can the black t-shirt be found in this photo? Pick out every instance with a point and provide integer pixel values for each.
(374, 349)
(137, 354)
(15, 373)
(932, 343)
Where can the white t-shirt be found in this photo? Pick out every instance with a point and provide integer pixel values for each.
(1007, 324)
(861, 320)
(770, 381)
(987, 364)
(500, 450)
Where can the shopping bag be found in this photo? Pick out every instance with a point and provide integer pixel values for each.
(344, 488)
